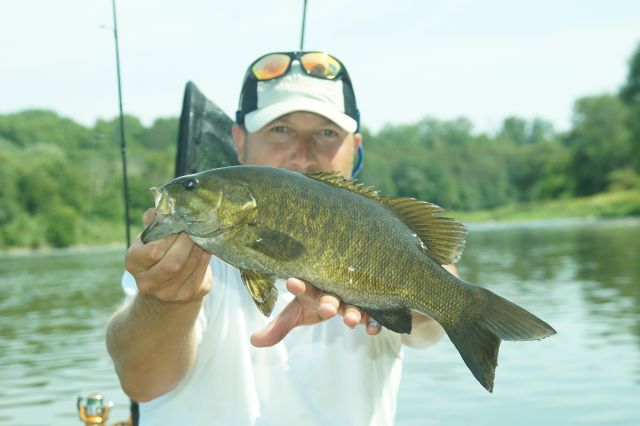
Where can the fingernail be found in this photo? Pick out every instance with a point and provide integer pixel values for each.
(351, 320)
(373, 323)
(327, 310)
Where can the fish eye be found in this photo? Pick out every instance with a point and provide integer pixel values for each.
(190, 184)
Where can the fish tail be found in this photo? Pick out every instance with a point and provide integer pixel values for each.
(478, 332)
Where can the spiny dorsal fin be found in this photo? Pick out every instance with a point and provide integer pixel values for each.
(443, 238)
(339, 181)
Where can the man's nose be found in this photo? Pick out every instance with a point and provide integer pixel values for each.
(303, 156)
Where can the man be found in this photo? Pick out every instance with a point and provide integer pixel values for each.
(190, 344)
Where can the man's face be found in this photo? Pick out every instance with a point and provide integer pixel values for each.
(299, 141)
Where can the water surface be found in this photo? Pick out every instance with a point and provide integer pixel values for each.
(582, 278)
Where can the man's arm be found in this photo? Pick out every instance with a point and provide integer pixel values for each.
(152, 340)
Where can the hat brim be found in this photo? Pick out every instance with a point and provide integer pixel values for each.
(259, 118)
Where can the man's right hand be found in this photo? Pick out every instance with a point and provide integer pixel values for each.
(152, 340)
(173, 269)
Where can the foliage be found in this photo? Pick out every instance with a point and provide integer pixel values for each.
(630, 91)
(59, 177)
(630, 95)
(600, 142)
(62, 181)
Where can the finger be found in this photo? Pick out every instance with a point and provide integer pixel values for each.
(176, 272)
(195, 282)
(373, 327)
(163, 279)
(329, 306)
(173, 263)
(352, 316)
(199, 279)
(287, 320)
(297, 287)
(148, 216)
(140, 257)
(326, 305)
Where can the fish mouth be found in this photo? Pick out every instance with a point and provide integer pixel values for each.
(162, 226)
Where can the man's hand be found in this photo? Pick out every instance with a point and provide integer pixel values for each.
(310, 306)
(173, 269)
(151, 340)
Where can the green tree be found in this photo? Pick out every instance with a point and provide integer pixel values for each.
(61, 226)
(514, 130)
(630, 94)
(630, 91)
(600, 142)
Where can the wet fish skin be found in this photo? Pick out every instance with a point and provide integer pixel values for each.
(382, 254)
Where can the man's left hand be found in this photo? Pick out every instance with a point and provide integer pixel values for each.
(310, 306)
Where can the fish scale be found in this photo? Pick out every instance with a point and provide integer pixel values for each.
(382, 254)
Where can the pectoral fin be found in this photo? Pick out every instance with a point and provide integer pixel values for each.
(261, 289)
(398, 320)
(276, 244)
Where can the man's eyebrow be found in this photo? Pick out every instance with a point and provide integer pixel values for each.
(283, 119)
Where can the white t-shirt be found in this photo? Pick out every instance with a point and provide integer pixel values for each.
(325, 374)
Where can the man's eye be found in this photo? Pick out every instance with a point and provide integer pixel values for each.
(329, 133)
(280, 134)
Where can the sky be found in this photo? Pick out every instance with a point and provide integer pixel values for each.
(483, 60)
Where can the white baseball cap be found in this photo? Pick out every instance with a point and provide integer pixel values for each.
(261, 102)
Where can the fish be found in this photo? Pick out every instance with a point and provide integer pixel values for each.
(382, 254)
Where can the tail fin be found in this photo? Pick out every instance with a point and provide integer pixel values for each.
(477, 335)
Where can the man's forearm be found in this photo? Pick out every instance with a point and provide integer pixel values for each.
(153, 345)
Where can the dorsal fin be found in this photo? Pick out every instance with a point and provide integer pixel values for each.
(443, 237)
(339, 181)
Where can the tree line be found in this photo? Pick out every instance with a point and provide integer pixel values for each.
(61, 181)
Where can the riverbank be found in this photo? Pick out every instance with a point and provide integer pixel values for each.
(605, 205)
(617, 204)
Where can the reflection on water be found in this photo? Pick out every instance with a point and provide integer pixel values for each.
(584, 279)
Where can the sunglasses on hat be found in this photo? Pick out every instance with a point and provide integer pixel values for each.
(316, 64)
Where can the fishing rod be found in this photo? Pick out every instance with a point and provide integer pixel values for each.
(304, 20)
(123, 146)
(94, 409)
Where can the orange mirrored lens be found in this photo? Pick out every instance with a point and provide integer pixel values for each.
(271, 66)
(321, 65)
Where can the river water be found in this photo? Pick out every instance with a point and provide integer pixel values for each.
(582, 278)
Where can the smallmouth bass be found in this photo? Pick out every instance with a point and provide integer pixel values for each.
(381, 254)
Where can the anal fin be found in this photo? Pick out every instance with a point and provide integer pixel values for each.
(397, 320)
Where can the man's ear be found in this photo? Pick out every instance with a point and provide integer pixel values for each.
(357, 141)
(239, 137)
